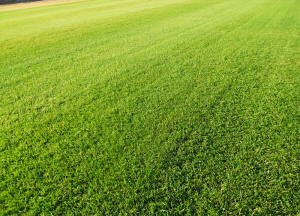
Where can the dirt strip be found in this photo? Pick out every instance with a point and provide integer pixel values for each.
(26, 5)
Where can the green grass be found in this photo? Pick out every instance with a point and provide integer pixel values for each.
(151, 107)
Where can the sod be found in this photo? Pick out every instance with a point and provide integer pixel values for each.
(138, 107)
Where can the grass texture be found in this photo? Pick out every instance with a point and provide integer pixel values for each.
(151, 107)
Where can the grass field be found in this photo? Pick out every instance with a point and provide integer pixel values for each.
(148, 107)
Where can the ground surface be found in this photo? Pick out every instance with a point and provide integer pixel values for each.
(18, 6)
(144, 107)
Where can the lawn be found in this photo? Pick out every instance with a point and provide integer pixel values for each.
(151, 107)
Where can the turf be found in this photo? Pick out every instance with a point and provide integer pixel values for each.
(176, 107)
